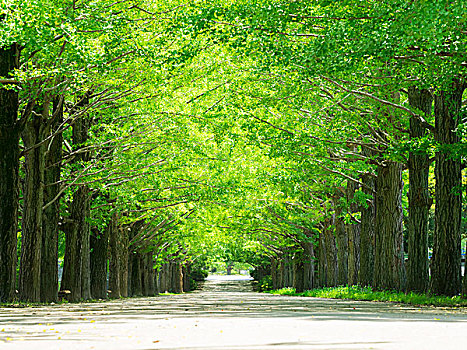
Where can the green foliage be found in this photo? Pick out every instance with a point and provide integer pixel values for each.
(265, 284)
(366, 293)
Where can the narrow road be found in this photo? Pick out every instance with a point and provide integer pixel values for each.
(226, 314)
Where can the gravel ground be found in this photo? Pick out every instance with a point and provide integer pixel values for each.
(226, 314)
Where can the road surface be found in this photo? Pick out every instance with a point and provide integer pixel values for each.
(227, 315)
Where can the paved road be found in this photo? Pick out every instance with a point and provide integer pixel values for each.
(227, 315)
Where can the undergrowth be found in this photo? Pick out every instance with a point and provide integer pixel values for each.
(366, 293)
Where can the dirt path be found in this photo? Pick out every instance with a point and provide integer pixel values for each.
(227, 315)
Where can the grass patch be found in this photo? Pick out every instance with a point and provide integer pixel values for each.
(366, 293)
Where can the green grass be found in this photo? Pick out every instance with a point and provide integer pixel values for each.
(366, 293)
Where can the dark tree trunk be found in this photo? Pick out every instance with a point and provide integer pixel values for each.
(164, 278)
(9, 168)
(76, 268)
(151, 282)
(389, 253)
(136, 275)
(84, 232)
(70, 274)
(464, 287)
(342, 243)
(419, 197)
(275, 273)
(322, 262)
(33, 198)
(353, 235)
(178, 277)
(299, 274)
(367, 234)
(445, 263)
(186, 277)
(331, 254)
(149, 288)
(124, 264)
(309, 265)
(51, 213)
(99, 253)
(77, 264)
(114, 263)
(81, 210)
(288, 271)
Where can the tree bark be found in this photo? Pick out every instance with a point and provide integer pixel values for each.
(114, 263)
(342, 242)
(148, 276)
(367, 234)
(76, 267)
(186, 277)
(331, 254)
(178, 277)
(299, 274)
(309, 265)
(164, 278)
(33, 199)
(353, 234)
(136, 275)
(81, 211)
(123, 259)
(275, 273)
(70, 275)
(9, 169)
(389, 253)
(322, 262)
(419, 197)
(464, 286)
(99, 253)
(51, 214)
(445, 263)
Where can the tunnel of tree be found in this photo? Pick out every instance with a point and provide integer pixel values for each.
(145, 142)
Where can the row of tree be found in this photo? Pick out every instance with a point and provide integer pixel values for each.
(320, 137)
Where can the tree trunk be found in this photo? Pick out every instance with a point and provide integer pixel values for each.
(136, 275)
(464, 288)
(322, 262)
(342, 243)
(186, 277)
(178, 277)
(389, 254)
(114, 264)
(149, 288)
(286, 274)
(33, 199)
(280, 273)
(76, 267)
(82, 209)
(299, 274)
(70, 275)
(164, 278)
(9, 168)
(51, 214)
(419, 197)
(123, 260)
(353, 234)
(80, 214)
(445, 263)
(367, 234)
(331, 254)
(99, 253)
(275, 273)
(309, 265)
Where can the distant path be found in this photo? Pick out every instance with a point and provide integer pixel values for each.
(226, 315)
